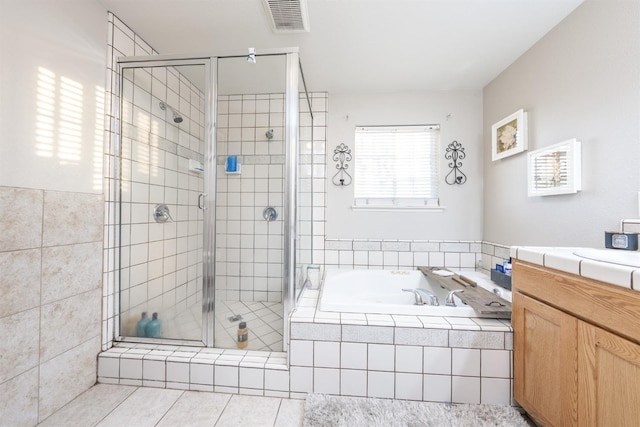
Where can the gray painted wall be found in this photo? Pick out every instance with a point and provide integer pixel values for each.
(459, 114)
(582, 80)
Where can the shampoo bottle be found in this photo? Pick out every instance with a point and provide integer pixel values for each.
(243, 335)
(141, 325)
(153, 327)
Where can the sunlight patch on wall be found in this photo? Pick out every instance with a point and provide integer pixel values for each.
(45, 117)
(59, 118)
(98, 139)
(156, 161)
(70, 122)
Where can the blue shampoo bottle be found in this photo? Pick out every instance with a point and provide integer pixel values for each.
(152, 330)
(142, 325)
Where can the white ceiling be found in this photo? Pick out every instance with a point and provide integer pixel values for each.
(361, 45)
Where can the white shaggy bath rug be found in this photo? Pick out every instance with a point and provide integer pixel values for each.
(340, 411)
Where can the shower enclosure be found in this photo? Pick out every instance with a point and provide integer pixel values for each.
(210, 167)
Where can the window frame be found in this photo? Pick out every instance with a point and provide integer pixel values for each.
(395, 203)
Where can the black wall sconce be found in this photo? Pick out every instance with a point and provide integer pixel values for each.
(455, 153)
(342, 155)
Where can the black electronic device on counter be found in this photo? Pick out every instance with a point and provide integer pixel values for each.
(626, 241)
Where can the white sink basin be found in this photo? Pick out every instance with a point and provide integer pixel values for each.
(613, 256)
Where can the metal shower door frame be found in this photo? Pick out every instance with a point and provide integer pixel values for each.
(209, 191)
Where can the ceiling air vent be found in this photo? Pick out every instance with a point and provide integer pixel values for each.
(287, 16)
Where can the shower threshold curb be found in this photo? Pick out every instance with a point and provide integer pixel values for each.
(259, 373)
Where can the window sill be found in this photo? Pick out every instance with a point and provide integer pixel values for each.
(386, 208)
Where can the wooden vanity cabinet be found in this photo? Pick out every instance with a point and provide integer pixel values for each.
(608, 378)
(576, 349)
(545, 356)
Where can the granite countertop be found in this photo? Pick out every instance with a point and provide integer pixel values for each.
(618, 269)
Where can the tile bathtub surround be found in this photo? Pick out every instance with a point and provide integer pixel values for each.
(492, 254)
(400, 254)
(461, 360)
(51, 263)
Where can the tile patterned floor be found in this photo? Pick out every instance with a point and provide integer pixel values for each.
(107, 405)
(264, 321)
(185, 325)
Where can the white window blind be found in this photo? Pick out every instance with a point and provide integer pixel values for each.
(396, 165)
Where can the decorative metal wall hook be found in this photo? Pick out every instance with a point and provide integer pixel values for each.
(342, 155)
(455, 153)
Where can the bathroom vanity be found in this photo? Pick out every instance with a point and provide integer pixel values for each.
(576, 340)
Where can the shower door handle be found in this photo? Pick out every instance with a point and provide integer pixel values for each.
(201, 205)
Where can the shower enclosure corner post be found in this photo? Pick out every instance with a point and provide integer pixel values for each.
(209, 205)
(115, 151)
(291, 150)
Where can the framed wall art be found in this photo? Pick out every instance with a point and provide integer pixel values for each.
(509, 136)
(555, 169)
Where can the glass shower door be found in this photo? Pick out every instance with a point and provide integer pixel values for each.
(163, 111)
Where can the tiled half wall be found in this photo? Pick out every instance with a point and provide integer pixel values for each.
(50, 283)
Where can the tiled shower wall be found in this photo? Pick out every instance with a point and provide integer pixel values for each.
(121, 41)
(161, 263)
(50, 259)
(312, 164)
(249, 250)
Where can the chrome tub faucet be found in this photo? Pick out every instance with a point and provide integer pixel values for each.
(423, 297)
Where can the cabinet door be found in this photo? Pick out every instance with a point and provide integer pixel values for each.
(545, 361)
(609, 378)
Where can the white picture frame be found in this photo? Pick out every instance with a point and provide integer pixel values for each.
(509, 136)
(555, 169)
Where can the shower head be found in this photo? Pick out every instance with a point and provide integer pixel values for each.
(177, 117)
(269, 134)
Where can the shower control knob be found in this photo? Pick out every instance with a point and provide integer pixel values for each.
(161, 213)
(269, 214)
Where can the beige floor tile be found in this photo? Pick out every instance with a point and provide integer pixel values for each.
(145, 407)
(90, 407)
(196, 409)
(291, 413)
(250, 411)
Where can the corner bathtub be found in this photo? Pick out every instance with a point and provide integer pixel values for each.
(380, 292)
